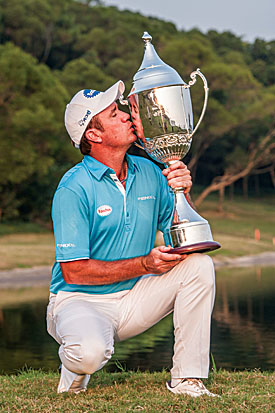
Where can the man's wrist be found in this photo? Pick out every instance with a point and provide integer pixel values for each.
(143, 263)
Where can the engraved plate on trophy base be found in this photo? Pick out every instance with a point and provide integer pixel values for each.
(191, 237)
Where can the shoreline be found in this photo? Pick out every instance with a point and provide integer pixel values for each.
(41, 275)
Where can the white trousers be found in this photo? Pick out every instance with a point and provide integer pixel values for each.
(86, 326)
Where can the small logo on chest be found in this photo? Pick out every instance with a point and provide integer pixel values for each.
(145, 198)
(104, 210)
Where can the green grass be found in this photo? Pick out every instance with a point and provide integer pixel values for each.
(26, 250)
(35, 391)
(15, 227)
(235, 227)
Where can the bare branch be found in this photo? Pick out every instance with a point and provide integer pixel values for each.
(258, 156)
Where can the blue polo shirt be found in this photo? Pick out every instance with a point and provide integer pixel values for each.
(94, 217)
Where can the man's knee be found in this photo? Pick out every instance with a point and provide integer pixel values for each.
(202, 269)
(86, 357)
(95, 355)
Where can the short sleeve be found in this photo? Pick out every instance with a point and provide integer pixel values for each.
(70, 217)
(166, 210)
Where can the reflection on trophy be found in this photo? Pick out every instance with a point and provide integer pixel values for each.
(161, 111)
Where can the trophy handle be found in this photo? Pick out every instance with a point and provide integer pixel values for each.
(206, 90)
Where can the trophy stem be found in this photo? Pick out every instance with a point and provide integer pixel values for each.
(189, 232)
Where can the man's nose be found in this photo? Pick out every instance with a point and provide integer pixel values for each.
(125, 117)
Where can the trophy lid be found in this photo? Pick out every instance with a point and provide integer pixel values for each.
(153, 72)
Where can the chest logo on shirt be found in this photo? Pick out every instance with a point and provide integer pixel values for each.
(144, 198)
(104, 210)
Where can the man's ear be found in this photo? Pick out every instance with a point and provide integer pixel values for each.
(93, 135)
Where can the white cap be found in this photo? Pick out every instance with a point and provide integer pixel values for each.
(86, 104)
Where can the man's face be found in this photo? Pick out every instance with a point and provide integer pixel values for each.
(133, 104)
(118, 128)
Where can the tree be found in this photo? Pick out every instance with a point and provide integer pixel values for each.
(32, 103)
(233, 92)
(34, 24)
(260, 155)
(79, 74)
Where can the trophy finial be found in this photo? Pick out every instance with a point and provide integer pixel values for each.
(146, 37)
(153, 72)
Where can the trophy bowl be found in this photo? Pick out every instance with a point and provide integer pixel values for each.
(161, 111)
(165, 114)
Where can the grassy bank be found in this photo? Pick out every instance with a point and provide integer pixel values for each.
(26, 250)
(35, 391)
(26, 245)
(235, 227)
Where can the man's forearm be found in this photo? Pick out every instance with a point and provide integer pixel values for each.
(96, 272)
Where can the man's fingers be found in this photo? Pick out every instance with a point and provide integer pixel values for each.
(177, 165)
(169, 257)
(161, 254)
(178, 176)
(164, 248)
(177, 172)
(186, 179)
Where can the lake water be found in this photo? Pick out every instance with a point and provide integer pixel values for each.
(243, 328)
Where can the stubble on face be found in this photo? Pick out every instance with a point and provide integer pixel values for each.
(118, 128)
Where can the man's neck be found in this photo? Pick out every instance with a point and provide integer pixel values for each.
(114, 161)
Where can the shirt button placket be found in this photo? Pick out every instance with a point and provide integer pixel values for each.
(127, 224)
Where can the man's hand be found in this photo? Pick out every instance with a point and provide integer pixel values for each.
(178, 176)
(97, 272)
(158, 261)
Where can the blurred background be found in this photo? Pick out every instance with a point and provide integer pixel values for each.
(50, 49)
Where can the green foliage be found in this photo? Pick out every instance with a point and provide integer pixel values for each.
(90, 75)
(31, 111)
(226, 42)
(67, 45)
(186, 53)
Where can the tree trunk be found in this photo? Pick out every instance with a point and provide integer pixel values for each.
(221, 199)
(231, 191)
(245, 187)
(272, 175)
(258, 157)
(48, 42)
(194, 172)
(257, 186)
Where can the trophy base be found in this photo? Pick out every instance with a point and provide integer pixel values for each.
(205, 246)
(189, 237)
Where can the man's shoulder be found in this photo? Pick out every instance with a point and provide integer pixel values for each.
(74, 178)
(144, 163)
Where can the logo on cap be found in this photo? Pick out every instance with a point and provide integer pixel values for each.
(90, 93)
(104, 210)
(82, 121)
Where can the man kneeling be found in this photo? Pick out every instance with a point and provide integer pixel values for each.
(109, 283)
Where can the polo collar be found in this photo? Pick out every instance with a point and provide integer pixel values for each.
(98, 169)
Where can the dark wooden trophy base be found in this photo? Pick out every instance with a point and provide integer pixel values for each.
(198, 247)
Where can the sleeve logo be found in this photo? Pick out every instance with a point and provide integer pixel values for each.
(104, 210)
(65, 245)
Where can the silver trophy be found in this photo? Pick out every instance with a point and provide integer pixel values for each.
(161, 112)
